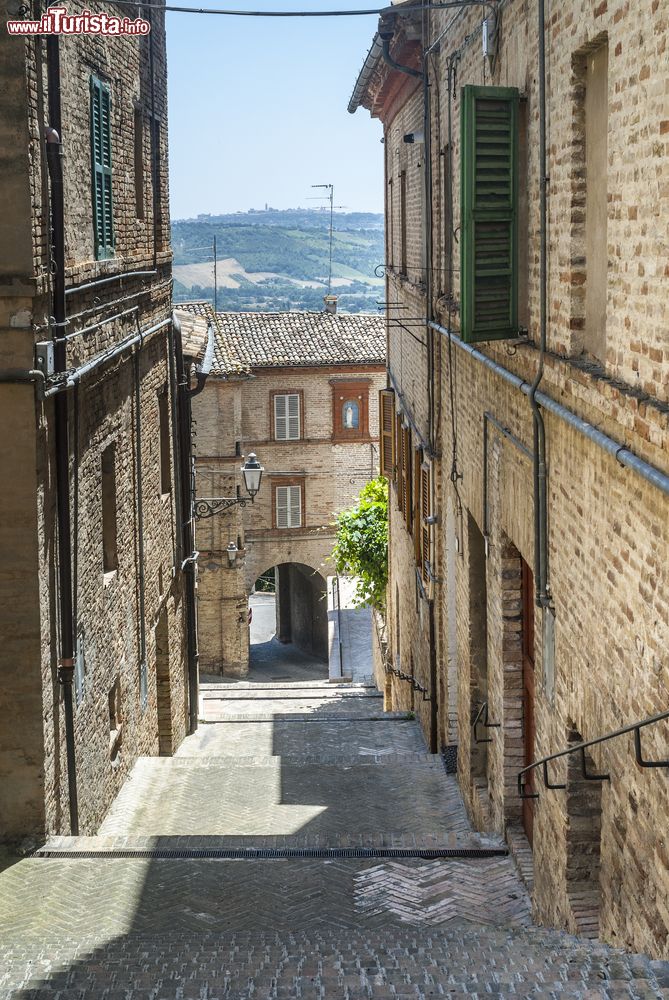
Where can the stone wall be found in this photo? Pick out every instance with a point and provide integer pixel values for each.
(600, 657)
(233, 418)
(102, 411)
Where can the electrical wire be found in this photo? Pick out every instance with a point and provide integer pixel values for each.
(449, 5)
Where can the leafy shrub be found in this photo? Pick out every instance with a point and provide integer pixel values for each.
(361, 548)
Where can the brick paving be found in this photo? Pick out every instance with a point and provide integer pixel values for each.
(123, 928)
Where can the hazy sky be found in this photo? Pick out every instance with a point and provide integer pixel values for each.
(258, 109)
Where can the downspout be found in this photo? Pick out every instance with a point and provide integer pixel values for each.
(143, 680)
(54, 152)
(427, 156)
(189, 564)
(386, 37)
(155, 139)
(539, 444)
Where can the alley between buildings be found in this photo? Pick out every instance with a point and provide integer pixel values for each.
(302, 843)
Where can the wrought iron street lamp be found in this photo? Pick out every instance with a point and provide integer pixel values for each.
(251, 472)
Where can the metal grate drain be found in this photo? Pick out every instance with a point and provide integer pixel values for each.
(273, 853)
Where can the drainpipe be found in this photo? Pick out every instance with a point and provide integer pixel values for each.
(539, 442)
(54, 154)
(386, 35)
(143, 680)
(155, 140)
(186, 476)
(189, 564)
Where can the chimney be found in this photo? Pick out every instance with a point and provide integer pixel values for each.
(330, 303)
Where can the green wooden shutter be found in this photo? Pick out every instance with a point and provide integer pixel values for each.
(489, 213)
(101, 160)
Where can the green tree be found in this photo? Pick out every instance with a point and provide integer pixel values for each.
(361, 548)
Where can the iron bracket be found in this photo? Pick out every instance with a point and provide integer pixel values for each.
(547, 782)
(641, 761)
(591, 777)
(483, 711)
(210, 506)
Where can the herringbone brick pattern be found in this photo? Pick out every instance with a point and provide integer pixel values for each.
(274, 796)
(294, 739)
(483, 890)
(115, 928)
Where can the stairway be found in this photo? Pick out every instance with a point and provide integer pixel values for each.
(300, 844)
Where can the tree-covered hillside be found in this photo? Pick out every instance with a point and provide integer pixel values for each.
(279, 259)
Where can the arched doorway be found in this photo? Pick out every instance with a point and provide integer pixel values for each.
(288, 631)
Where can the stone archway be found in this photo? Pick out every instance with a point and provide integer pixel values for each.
(300, 609)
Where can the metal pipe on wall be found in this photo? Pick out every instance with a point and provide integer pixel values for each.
(189, 564)
(624, 455)
(143, 679)
(108, 279)
(76, 374)
(542, 593)
(61, 415)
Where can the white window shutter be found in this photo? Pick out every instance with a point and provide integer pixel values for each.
(295, 506)
(280, 418)
(293, 417)
(282, 506)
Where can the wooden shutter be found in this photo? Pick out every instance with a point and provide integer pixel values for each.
(280, 420)
(425, 528)
(399, 467)
(408, 494)
(489, 213)
(101, 157)
(288, 506)
(417, 461)
(282, 506)
(293, 416)
(386, 436)
(295, 510)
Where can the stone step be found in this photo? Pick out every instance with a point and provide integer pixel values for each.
(300, 694)
(289, 713)
(462, 959)
(371, 841)
(320, 686)
(408, 759)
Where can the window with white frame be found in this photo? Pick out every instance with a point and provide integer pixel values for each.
(287, 417)
(288, 506)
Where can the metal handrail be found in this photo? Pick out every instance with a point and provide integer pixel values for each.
(635, 728)
(483, 711)
(389, 667)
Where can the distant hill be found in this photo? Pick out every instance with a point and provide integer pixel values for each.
(276, 260)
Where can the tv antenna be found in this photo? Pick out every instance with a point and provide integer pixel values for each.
(328, 197)
(212, 257)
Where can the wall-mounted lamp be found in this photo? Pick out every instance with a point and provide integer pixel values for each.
(232, 552)
(251, 472)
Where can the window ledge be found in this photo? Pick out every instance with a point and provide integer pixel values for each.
(109, 578)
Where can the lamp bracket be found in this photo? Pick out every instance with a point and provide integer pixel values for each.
(204, 507)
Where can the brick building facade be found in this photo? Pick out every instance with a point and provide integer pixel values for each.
(92, 593)
(301, 391)
(543, 608)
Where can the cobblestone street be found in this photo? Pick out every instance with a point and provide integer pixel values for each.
(380, 888)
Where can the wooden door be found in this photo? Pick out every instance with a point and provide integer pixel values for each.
(528, 691)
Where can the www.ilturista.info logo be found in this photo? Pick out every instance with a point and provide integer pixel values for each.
(57, 21)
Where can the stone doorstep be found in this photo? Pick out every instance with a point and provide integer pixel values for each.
(307, 717)
(371, 841)
(293, 695)
(322, 685)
